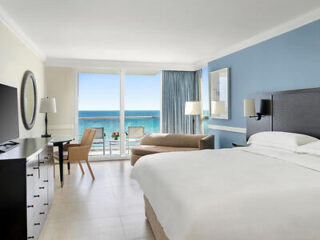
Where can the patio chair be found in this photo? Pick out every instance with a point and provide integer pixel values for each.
(100, 138)
(135, 134)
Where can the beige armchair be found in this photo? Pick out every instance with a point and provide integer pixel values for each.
(75, 153)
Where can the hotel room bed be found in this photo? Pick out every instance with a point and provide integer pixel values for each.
(238, 194)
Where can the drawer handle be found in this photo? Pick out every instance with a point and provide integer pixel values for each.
(41, 213)
(41, 187)
(37, 224)
(45, 180)
(31, 237)
(30, 175)
(35, 167)
(36, 195)
(41, 162)
(46, 204)
(46, 158)
(30, 206)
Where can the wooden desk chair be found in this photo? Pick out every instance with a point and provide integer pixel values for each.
(80, 152)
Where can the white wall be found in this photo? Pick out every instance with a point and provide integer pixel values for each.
(15, 59)
(62, 84)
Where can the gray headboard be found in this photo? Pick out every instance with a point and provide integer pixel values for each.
(295, 111)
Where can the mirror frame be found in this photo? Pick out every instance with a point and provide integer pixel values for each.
(227, 69)
(28, 125)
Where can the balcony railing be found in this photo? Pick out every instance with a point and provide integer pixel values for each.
(118, 117)
(112, 124)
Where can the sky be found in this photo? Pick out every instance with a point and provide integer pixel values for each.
(102, 92)
(142, 92)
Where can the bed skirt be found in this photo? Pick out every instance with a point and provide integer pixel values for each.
(156, 227)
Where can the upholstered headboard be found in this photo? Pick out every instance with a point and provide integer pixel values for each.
(295, 111)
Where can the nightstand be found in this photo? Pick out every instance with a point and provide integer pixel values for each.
(240, 144)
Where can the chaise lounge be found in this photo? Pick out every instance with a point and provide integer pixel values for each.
(160, 142)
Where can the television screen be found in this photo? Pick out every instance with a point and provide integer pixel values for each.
(9, 125)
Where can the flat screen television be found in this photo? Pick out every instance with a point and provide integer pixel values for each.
(9, 123)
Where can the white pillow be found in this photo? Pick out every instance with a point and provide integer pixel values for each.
(283, 140)
(310, 148)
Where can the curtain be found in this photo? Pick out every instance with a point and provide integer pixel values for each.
(177, 88)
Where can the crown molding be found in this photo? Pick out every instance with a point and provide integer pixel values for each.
(274, 32)
(111, 65)
(19, 33)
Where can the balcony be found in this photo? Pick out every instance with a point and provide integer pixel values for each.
(111, 124)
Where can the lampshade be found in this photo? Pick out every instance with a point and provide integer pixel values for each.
(218, 107)
(249, 108)
(48, 105)
(193, 108)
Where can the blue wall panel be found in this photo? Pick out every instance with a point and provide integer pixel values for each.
(289, 61)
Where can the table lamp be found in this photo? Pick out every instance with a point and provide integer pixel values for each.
(47, 105)
(193, 108)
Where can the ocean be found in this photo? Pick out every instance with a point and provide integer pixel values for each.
(110, 120)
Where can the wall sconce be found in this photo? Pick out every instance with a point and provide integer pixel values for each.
(249, 109)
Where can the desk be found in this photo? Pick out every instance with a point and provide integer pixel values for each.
(59, 141)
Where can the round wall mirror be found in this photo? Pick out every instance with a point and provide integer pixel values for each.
(28, 99)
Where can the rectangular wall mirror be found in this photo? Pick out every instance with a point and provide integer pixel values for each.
(219, 84)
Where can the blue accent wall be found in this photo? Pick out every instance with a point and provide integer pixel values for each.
(286, 62)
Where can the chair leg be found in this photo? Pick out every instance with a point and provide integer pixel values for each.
(68, 168)
(80, 165)
(90, 170)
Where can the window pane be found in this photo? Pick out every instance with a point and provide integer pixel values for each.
(99, 104)
(205, 98)
(142, 102)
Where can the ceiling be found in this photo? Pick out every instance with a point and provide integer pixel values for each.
(157, 31)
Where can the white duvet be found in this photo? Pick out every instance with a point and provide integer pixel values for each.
(233, 194)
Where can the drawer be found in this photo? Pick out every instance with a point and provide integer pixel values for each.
(43, 171)
(30, 233)
(31, 183)
(43, 196)
(30, 215)
(34, 224)
(38, 220)
(37, 226)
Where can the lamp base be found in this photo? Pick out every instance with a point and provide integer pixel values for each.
(46, 136)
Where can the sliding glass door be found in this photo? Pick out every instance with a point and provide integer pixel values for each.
(142, 106)
(99, 107)
(124, 104)
(205, 99)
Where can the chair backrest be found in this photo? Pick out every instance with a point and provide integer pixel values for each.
(85, 136)
(99, 133)
(135, 131)
(91, 137)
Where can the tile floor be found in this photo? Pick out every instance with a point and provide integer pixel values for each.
(109, 208)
